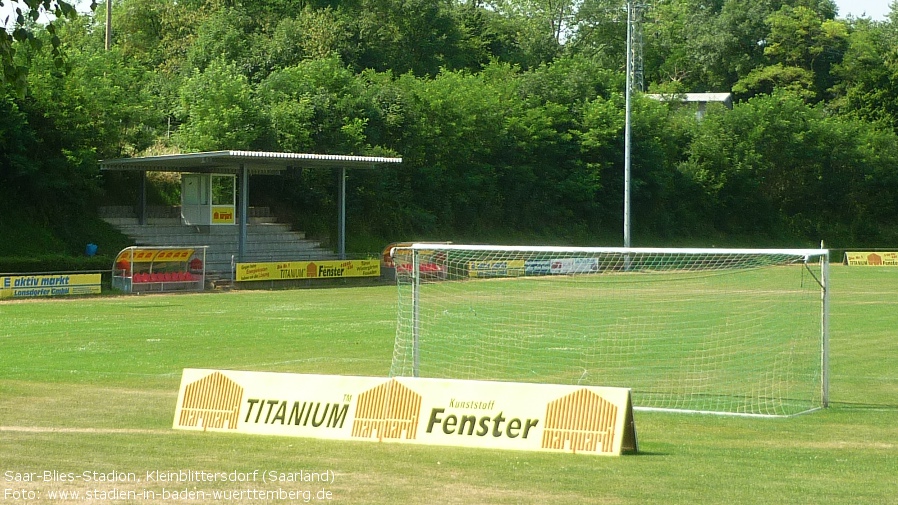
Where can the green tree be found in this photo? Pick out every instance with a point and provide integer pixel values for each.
(553, 18)
(218, 110)
(317, 104)
(776, 165)
(458, 119)
(45, 198)
(485, 34)
(420, 36)
(97, 95)
(222, 35)
(705, 46)
(23, 29)
(311, 34)
(802, 46)
(867, 72)
(666, 205)
(160, 33)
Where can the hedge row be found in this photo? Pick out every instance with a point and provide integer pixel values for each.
(53, 263)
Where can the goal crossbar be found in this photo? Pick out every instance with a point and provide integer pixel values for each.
(426, 246)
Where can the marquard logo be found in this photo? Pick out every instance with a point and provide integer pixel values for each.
(312, 270)
(211, 402)
(391, 410)
(582, 419)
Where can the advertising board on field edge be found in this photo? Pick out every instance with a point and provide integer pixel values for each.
(31, 286)
(480, 414)
(873, 259)
(300, 270)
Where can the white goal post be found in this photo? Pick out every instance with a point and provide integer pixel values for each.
(730, 331)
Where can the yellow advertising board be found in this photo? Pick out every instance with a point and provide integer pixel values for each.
(296, 270)
(223, 214)
(29, 286)
(480, 414)
(154, 255)
(872, 258)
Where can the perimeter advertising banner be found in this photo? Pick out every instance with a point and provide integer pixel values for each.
(503, 268)
(154, 255)
(517, 268)
(871, 258)
(29, 286)
(483, 414)
(223, 214)
(295, 270)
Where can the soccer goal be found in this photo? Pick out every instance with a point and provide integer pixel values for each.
(732, 331)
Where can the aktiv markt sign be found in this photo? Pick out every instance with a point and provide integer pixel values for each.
(501, 415)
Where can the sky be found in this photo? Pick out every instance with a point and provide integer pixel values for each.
(875, 9)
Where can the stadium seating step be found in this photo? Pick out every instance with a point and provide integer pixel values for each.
(267, 239)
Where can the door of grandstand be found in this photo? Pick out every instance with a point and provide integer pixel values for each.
(208, 199)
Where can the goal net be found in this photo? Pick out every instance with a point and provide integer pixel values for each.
(736, 331)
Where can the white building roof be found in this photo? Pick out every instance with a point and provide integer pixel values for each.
(724, 98)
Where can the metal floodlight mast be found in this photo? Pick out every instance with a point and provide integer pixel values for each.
(633, 80)
(627, 93)
(108, 41)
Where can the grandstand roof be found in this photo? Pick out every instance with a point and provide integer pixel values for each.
(233, 161)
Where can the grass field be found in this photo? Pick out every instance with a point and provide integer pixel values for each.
(89, 385)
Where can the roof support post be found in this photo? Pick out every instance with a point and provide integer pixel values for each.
(142, 199)
(244, 212)
(341, 220)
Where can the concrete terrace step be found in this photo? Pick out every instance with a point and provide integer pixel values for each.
(268, 232)
(225, 259)
(217, 238)
(176, 221)
(284, 249)
(266, 239)
(117, 211)
(162, 211)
